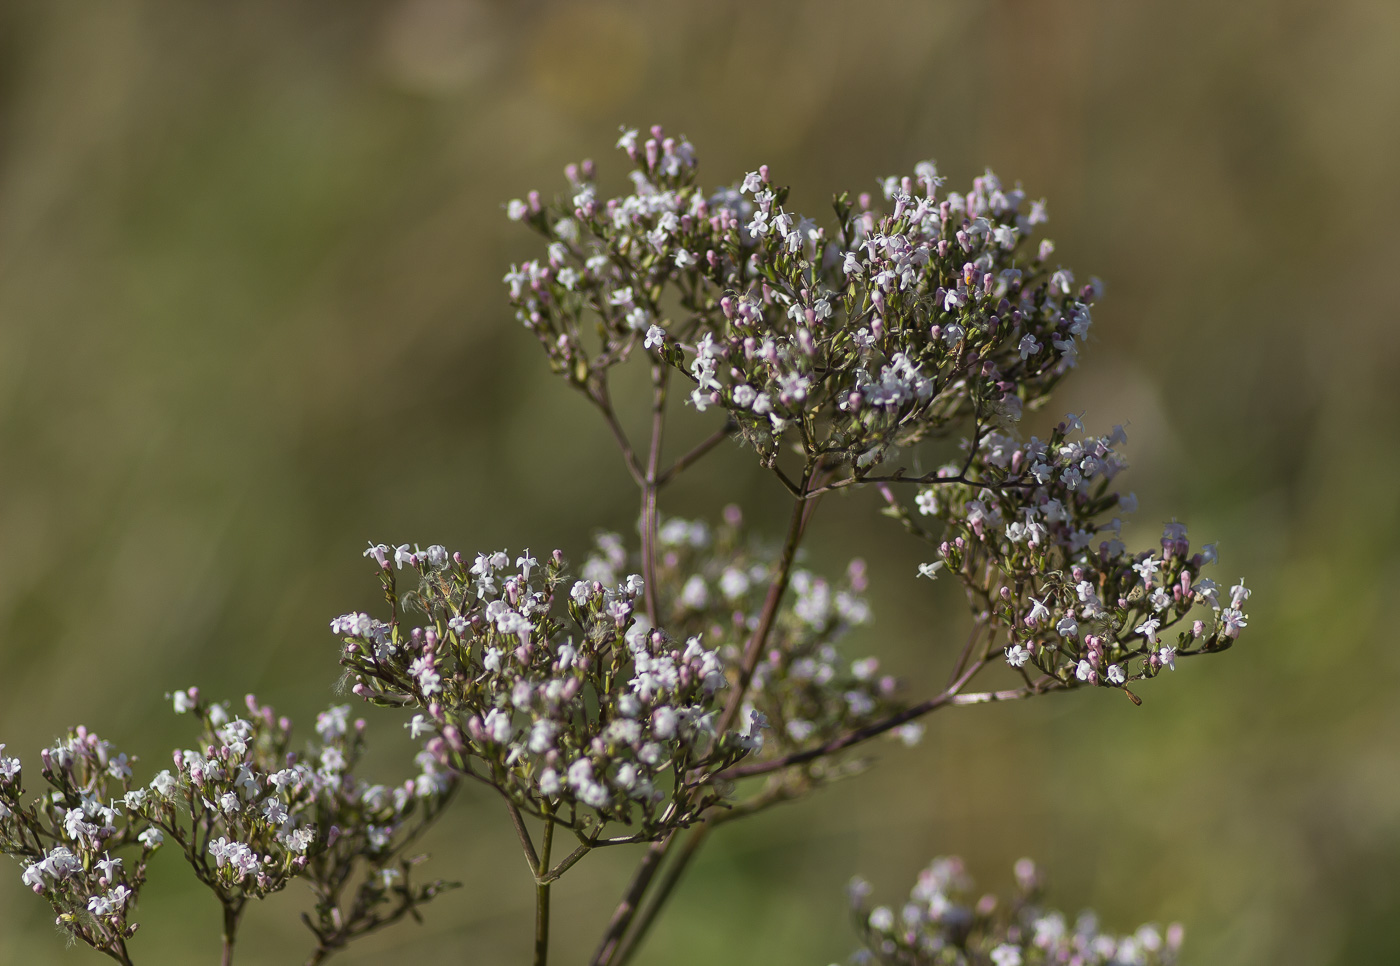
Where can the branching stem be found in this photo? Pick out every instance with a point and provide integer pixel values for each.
(542, 897)
(632, 941)
(627, 908)
(231, 914)
(797, 525)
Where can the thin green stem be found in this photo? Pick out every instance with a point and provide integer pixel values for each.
(599, 396)
(650, 483)
(542, 897)
(567, 862)
(527, 846)
(231, 912)
(700, 449)
(797, 525)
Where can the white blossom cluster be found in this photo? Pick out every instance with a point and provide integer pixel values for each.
(857, 338)
(1035, 537)
(247, 811)
(80, 845)
(716, 580)
(945, 923)
(556, 691)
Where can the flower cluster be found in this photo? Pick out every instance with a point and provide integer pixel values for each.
(944, 923)
(644, 691)
(1032, 531)
(857, 338)
(249, 814)
(715, 581)
(83, 847)
(555, 691)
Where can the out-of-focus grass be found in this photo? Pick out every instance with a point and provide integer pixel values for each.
(250, 316)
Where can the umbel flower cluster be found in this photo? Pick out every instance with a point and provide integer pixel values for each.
(548, 688)
(945, 923)
(248, 813)
(701, 672)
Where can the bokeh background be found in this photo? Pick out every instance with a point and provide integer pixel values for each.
(250, 316)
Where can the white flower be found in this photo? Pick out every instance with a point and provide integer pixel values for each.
(1146, 568)
(10, 767)
(911, 733)
(1039, 612)
(109, 866)
(1115, 674)
(1016, 655)
(1232, 621)
(163, 784)
(116, 767)
(694, 594)
(549, 782)
(1167, 656)
(1148, 628)
(1006, 955)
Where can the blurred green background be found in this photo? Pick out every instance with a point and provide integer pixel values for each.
(250, 316)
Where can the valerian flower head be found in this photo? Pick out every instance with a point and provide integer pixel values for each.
(946, 921)
(557, 691)
(1032, 529)
(247, 811)
(856, 338)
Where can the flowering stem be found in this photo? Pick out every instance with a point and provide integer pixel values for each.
(700, 449)
(950, 696)
(231, 913)
(567, 863)
(542, 897)
(664, 887)
(650, 483)
(599, 396)
(608, 950)
(119, 953)
(627, 908)
(801, 514)
(973, 635)
(531, 857)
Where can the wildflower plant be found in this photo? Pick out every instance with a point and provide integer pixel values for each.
(945, 923)
(698, 674)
